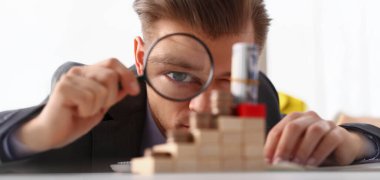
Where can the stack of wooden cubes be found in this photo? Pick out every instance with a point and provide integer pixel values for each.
(214, 143)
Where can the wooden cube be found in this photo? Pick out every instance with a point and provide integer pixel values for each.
(232, 138)
(177, 150)
(233, 164)
(209, 165)
(209, 151)
(252, 152)
(207, 136)
(253, 138)
(231, 151)
(229, 123)
(253, 124)
(180, 136)
(188, 165)
(149, 165)
(254, 164)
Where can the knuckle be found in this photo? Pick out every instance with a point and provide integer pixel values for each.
(335, 137)
(338, 134)
(331, 124)
(111, 62)
(60, 87)
(63, 83)
(111, 75)
(317, 128)
(294, 127)
(275, 133)
(294, 115)
(312, 114)
(74, 70)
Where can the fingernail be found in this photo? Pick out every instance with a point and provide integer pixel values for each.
(277, 160)
(311, 162)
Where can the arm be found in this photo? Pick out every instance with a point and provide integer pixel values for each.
(369, 129)
(11, 147)
(77, 103)
(370, 135)
(10, 120)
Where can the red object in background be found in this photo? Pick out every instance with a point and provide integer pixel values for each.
(251, 110)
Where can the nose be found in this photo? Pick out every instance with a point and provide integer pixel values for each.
(201, 103)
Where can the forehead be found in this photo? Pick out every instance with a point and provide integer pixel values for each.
(221, 47)
(168, 26)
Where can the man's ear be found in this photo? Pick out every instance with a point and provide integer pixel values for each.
(139, 54)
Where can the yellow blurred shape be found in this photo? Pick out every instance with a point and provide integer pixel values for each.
(289, 104)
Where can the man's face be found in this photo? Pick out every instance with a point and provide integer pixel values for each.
(169, 114)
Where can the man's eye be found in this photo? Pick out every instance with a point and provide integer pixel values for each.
(180, 77)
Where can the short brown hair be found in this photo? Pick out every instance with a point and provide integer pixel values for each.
(213, 17)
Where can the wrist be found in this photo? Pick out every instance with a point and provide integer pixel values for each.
(33, 136)
(368, 148)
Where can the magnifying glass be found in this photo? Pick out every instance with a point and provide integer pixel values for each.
(178, 66)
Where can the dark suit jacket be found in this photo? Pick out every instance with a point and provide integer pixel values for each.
(116, 138)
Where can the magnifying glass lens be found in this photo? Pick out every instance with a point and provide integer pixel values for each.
(178, 67)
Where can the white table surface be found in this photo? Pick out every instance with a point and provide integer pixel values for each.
(361, 172)
(209, 176)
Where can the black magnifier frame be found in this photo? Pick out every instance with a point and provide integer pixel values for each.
(204, 87)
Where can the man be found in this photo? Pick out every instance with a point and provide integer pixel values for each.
(89, 121)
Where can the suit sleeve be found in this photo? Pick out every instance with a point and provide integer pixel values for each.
(372, 133)
(11, 120)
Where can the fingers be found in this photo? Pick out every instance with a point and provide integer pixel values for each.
(303, 138)
(310, 142)
(85, 95)
(275, 134)
(105, 77)
(127, 79)
(328, 144)
(290, 137)
(96, 88)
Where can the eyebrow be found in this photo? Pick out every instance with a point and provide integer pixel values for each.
(176, 62)
(223, 75)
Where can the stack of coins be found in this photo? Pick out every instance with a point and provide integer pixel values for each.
(180, 136)
(221, 102)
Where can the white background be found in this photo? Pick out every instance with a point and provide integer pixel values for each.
(36, 36)
(322, 51)
(327, 52)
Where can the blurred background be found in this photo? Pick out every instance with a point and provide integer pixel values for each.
(324, 52)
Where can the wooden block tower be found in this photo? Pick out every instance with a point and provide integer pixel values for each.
(221, 141)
